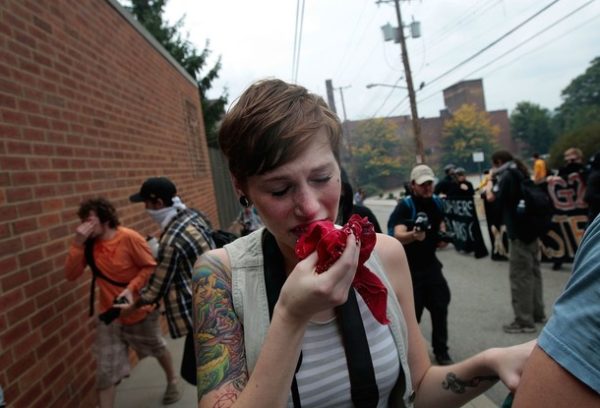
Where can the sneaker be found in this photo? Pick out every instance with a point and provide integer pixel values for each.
(443, 359)
(172, 394)
(516, 327)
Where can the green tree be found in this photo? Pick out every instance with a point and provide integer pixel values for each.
(532, 124)
(586, 138)
(379, 153)
(581, 101)
(150, 14)
(469, 130)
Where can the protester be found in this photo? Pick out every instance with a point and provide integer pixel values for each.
(252, 332)
(430, 289)
(524, 264)
(442, 188)
(461, 186)
(564, 368)
(359, 197)
(347, 207)
(539, 169)
(573, 163)
(573, 171)
(484, 182)
(247, 221)
(122, 258)
(185, 236)
(592, 191)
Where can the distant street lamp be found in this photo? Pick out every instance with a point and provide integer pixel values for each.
(369, 86)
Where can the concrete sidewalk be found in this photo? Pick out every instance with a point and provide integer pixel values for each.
(147, 383)
(145, 386)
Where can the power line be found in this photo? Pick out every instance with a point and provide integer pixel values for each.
(351, 43)
(531, 37)
(547, 43)
(297, 40)
(493, 43)
(397, 106)
(386, 99)
(552, 25)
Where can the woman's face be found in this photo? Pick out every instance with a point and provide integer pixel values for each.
(299, 192)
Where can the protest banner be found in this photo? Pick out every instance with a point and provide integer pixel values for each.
(568, 222)
(462, 221)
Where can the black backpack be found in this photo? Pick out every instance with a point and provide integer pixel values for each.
(539, 210)
(220, 237)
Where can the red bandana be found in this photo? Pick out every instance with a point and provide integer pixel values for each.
(330, 242)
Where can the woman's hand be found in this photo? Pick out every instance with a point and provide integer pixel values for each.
(510, 361)
(307, 292)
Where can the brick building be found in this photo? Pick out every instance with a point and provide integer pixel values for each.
(464, 92)
(90, 105)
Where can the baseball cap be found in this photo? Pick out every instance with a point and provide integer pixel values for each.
(421, 174)
(153, 188)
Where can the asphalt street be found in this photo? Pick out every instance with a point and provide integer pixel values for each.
(480, 302)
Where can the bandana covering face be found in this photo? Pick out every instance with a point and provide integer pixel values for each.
(330, 242)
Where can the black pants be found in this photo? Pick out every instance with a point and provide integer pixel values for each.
(188, 362)
(431, 292)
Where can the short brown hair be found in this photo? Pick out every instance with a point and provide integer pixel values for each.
(271, 123)
(105, 211)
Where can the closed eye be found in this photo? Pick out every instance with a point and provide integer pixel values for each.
(280, 193)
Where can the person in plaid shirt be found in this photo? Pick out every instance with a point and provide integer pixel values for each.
(185, 236)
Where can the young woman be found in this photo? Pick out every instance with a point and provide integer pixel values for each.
(272, 332)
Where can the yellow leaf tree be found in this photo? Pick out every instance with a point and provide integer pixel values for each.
(469, 130)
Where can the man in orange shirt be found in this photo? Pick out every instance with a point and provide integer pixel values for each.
(539, 169)
(123, 259)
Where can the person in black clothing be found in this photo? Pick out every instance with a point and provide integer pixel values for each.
(347, 206)
(461, 186)
(524, 264)
(430, 288)
(573, 159)
(443, 187)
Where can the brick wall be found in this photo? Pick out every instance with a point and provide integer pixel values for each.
(87, 107)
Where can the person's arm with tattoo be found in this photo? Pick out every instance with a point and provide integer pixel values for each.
(222, 376)
(453, 385)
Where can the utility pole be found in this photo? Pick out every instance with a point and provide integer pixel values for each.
(330, 97)
(346, 133)
(411, 90)
(341, 89)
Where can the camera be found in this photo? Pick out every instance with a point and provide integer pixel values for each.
(114, 312)
(446, 236)
(422, 222)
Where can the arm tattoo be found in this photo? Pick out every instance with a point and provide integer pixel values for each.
(218, 333)
(458, 386)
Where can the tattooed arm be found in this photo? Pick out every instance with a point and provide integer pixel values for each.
(218, 335)
(454, 385)
(220, 355)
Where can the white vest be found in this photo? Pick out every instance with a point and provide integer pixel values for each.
(249, 294)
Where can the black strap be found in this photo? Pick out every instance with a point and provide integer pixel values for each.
(274, 280)
(97, 273)
(363, 384)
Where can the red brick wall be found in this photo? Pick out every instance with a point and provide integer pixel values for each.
(87, 107)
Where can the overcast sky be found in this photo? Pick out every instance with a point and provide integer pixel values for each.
(342, 40)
